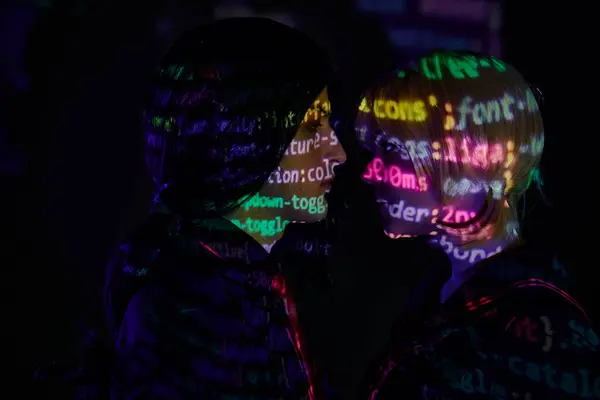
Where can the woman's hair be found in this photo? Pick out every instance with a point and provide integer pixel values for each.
(227, 100)
(469, 117)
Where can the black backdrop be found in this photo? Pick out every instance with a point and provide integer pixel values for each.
(83, 186)
(552, 54)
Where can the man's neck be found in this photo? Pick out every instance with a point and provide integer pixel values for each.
(260, 224)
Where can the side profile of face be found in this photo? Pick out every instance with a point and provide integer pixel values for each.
(454, 148)
(306, 171)
(295, 191)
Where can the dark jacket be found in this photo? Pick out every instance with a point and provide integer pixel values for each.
(511, 332)
(208, 327)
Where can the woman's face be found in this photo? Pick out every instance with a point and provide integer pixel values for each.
(306, 172)
(409, 205)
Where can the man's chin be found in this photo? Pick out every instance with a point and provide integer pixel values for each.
(316, 217)
(308, 218)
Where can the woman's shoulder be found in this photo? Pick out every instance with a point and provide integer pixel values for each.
(527, 295)
(516, 272)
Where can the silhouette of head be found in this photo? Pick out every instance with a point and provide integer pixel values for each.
(239, 107)
(457, 140)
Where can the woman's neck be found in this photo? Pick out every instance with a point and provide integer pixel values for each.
(464, 259)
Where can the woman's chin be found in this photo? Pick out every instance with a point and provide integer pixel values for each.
(393, 235)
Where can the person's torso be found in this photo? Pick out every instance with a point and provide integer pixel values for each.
(221, 329)
(459, 351)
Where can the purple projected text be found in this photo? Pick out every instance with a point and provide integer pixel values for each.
(378, 172)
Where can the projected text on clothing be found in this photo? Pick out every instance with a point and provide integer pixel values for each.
(443, 142)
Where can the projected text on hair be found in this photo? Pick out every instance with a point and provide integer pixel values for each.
(452, 154)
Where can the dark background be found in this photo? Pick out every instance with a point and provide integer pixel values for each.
(74, 182)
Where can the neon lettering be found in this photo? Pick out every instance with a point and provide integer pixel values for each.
(266, 227)
(478, 156)
(258, 201)
(401, 110)
(317, 111)
(301, 147)
(407, 213)
(376, 171)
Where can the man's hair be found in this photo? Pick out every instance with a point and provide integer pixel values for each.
(227, 100)
(453, 99)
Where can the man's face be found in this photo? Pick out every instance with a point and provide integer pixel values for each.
(306, 172)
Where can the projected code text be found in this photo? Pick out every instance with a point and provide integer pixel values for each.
(299, 147)
(314, 205)
(265, 227)
(314, 174)
(447, 214)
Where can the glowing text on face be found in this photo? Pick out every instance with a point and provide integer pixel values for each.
(314, 205)
(378, 172)
(299, 147)
(315, 174)
(459, 67)
(472, 255)
(447, 214)
(317, 111)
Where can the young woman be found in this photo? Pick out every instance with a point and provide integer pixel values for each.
(239, 145)
(457, 141)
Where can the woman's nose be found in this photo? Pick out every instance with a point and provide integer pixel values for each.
(336, 154)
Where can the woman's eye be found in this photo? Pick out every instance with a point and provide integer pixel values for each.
(388, 146)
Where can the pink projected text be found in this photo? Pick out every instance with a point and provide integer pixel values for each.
(377, 171)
